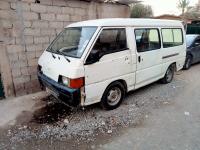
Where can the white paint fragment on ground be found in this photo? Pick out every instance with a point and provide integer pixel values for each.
(66, 121)
(109, 131)
(165, 103)
(186, 113)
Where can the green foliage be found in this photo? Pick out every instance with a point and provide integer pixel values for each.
(183, 5)
(139, 10)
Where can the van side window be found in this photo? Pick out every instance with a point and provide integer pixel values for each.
(172, 37)
(178, 37)
(110, 41)
(147, 39)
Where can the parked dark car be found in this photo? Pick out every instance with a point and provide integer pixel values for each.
(193, 50)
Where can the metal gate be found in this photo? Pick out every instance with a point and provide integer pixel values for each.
(1, 89)
(193, 29)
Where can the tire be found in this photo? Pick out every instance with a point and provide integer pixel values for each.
(169, 75)
(113, 96)
(188, 62)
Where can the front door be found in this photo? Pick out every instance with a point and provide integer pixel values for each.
(149, 59)
(114, 60)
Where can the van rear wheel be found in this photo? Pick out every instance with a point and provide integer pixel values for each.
(169, 75)
(113, 96)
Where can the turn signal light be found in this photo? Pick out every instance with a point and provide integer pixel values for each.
(73, 83)
(76, 83)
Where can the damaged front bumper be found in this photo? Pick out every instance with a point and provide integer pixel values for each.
(71, 97)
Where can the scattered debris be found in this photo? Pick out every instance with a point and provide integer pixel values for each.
(66, 121)
(109, 131)
(57, 121)
(186, 113)
(166, 103)
(93, 147)
(103, 123)
(9, 132)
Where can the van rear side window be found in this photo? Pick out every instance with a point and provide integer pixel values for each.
(147, 39)
(172, 37)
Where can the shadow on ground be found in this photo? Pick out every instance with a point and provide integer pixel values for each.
(51, 113)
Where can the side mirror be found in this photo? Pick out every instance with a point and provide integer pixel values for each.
(93, 57)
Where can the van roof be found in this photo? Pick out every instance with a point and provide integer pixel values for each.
(128, 22)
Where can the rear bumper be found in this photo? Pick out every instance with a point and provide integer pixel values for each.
(67, 95)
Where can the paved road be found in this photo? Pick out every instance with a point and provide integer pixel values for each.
(175, 127)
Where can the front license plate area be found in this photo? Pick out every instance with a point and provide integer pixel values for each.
(52, 92)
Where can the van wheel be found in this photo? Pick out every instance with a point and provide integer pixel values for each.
(169, 75)
(188, 62)
(113, 96)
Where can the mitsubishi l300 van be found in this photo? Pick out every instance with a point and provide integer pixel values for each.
(99, 61)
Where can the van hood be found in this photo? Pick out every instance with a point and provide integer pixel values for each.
(53, 67)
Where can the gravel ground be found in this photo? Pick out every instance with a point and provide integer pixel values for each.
(56, 122)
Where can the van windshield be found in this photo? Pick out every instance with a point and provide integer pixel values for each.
(72, 41)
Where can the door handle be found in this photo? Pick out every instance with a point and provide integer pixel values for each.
(139, 59)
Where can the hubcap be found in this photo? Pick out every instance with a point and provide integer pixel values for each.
(169, 75)
(114, 96)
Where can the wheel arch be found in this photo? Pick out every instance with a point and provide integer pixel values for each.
(189, 53)
(175, 65)
(122, 81)
(168, 65)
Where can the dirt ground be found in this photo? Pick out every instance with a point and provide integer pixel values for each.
(154, 117)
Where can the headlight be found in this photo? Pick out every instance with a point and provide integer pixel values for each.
(65, 81)
(73, 83)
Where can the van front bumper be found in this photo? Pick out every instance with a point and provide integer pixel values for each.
(67, 95)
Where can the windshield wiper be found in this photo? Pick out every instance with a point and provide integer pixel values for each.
(52, 53)
(63, 55)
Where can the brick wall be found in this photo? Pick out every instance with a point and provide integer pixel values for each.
(26, 29)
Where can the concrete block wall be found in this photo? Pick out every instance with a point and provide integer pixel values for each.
(26, 29)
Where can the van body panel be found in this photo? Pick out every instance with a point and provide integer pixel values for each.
(111, 67)
(150, 66)
(103, 70)
(95, 91)
(54, 67)
(128, 22)
(149, 63)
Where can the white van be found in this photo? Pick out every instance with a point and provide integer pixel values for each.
(101, 60)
